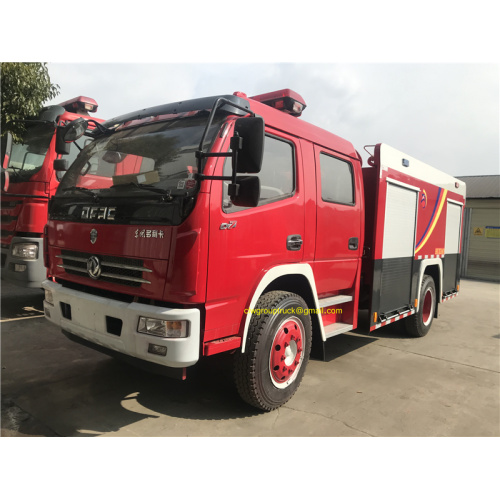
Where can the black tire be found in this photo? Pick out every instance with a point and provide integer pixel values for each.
(418, 324)
(277, 350)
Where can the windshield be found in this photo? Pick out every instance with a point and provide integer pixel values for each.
(159, 155)
(27, 158)
(152, 163)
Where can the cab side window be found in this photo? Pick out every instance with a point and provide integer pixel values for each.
(277, 178)
(337, 180)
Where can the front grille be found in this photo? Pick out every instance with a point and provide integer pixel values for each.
(10, 204)
(118, 270)
(7, 219)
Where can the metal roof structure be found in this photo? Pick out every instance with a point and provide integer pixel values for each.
(482, 186)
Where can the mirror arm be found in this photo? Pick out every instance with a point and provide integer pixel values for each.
(99, 127)
(235, 145)
(200, 154)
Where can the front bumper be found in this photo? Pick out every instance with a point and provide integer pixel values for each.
(21, 272)
(88, 317)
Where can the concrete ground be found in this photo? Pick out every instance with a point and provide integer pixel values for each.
(445, 384)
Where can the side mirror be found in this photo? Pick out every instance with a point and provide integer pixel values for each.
(6, 149)
(62, 147)
(251, 145)
(248, 191)
(74, 130)
(114, 157)
(61, 165)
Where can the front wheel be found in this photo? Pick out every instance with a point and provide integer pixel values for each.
(420, 323)
(277, 350)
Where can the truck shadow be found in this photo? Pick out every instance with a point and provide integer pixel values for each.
(132, 395)
(90, 394)
(208, 394)
(393, 331)
(345, 343)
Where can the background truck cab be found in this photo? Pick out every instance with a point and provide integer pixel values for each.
(32, 171)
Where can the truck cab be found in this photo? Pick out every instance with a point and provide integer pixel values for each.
(29, 181)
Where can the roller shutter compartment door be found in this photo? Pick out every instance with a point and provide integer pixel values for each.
(399, 248)
(484, 244)
(452, 246)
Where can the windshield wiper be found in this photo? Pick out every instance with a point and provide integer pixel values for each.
(165, 192)
(82, 190)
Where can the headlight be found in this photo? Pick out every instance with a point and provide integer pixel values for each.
(48, 297)
(162, 328)
(25, 251)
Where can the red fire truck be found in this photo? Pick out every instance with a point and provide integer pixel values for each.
(32, 171)
(228, 224)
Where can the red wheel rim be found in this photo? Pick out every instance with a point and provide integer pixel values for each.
(286, 352)
(427, 307)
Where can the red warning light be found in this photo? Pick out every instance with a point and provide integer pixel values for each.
(285, 100)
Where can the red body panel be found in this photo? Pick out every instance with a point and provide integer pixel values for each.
(335, 266)
(239, 257)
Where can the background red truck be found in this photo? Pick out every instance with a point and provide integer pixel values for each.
(29, 180)
(228, 224)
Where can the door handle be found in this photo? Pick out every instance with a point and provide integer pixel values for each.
(353, 243)
(294, 242)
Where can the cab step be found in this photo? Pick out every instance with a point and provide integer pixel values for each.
(337, 329)
(334, 300)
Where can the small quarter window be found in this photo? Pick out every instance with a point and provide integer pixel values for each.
(337, 181)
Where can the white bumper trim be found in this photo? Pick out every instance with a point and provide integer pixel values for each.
(88, 321)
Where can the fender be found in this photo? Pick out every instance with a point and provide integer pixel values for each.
(426, 263)
(271, 275)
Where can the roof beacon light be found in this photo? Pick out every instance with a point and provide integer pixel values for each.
(82, 105)
(285, 100)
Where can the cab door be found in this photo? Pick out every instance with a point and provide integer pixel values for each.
(338, 227)
(245, 242)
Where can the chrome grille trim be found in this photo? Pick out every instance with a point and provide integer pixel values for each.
(68, 257)
(114, 269)
(107, 263)
(106, 275)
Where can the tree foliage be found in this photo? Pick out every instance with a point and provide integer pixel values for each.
(25, 87)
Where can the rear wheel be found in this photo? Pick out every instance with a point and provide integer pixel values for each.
(277, 350)
(420, 323)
